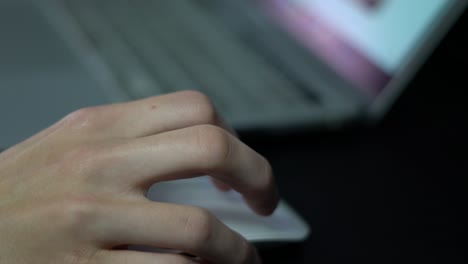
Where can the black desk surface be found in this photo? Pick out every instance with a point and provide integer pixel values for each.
(387, 194)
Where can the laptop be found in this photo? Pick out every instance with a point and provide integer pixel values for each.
(267, 64)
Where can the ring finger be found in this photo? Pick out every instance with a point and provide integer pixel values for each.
(185, 228)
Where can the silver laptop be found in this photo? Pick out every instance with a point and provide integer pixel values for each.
(267, 64)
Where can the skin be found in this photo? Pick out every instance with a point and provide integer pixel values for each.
(75, 192)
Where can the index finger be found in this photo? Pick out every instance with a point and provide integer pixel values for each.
(151, 115)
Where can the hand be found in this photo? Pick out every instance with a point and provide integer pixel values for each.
(75, 193)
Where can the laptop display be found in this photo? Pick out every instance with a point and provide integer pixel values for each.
(366, 41)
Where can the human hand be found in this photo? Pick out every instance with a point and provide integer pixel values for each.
(75, 192)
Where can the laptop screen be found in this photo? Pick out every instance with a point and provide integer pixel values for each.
(365, 41)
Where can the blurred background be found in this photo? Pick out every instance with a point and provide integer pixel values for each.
(360, 105)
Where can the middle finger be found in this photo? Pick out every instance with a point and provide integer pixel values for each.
(191, 152)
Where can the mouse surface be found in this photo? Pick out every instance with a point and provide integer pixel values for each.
(284, 226)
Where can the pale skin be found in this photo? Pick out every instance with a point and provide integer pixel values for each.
(75, 192)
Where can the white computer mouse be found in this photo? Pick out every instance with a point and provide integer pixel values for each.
(285, 225)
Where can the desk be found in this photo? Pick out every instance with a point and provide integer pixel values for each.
(387, 194)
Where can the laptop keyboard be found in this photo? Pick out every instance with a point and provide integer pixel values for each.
(155, 47)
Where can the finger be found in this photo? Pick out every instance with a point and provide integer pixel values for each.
(184, 228)
(134, 257)
(221, 185)
(151, 115)
(195, 151)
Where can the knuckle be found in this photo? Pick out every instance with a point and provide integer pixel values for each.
(213, 146)
(196, 96)
(82, 155)
(81, 118)
(75, 214)
(202, 108)
(79, 209)
(86, 159)
(81, 152)
(198, 227)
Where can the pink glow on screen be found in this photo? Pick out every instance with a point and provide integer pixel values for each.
(325, 42)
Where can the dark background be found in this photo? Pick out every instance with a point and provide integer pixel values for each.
(389, 193)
